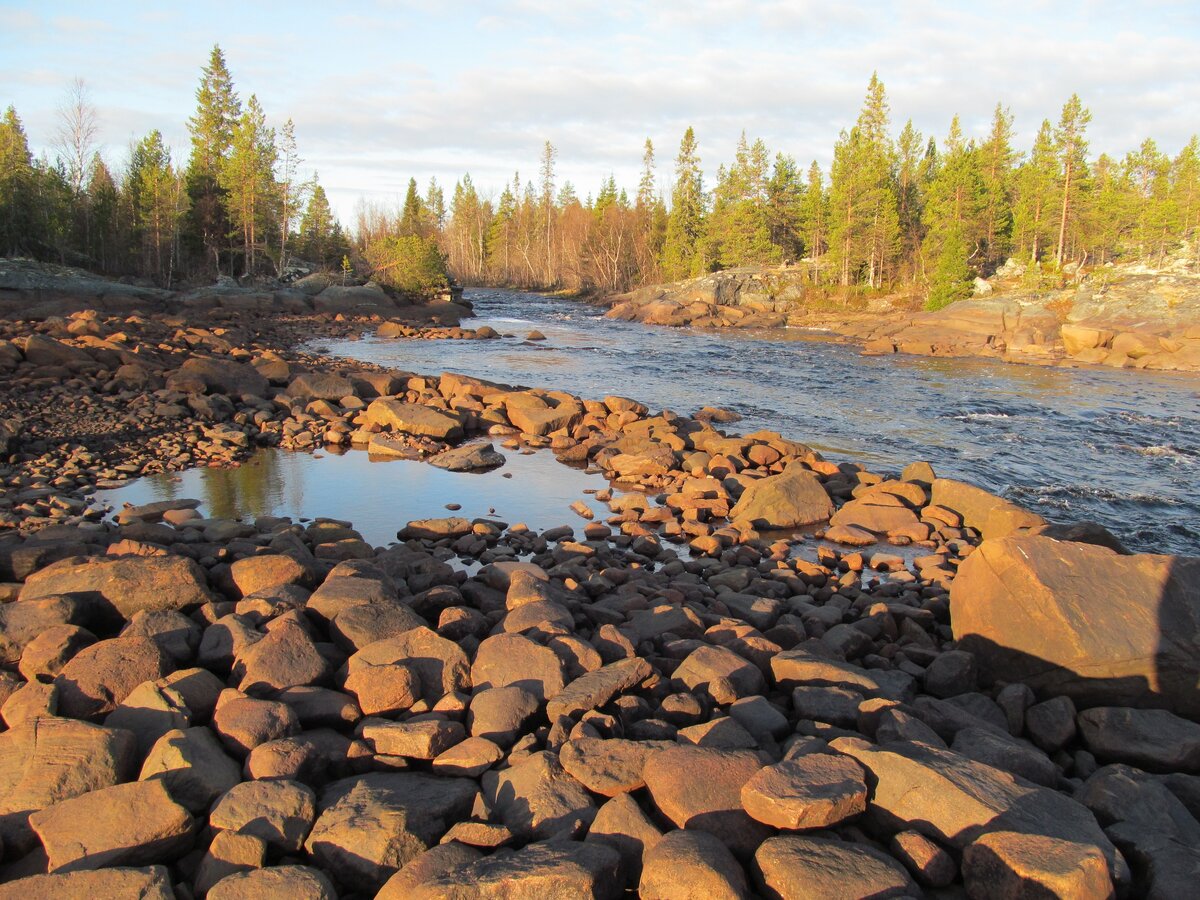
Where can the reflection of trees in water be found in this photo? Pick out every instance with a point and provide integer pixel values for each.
(248, 490)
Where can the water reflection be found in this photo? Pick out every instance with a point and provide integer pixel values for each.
(378, 495)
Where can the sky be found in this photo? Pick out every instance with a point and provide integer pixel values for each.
(385, 90)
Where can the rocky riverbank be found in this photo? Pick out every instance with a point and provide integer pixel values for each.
(680, 696)
(1121, 317)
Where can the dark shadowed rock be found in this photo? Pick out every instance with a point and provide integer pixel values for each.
(1152, 739)
(537, 799)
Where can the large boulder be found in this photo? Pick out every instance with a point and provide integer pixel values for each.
(222, 376)
(545, 869)
(790, 499)
(1081, 620)
(124, 584)
(415, 419)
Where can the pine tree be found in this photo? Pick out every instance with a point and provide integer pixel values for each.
(158, 202)
(911, 170)
(646, 193)
(290, 191)
(681, 255)
(104, 243)
(434, 207)
(1153, 208)
(1185, 188)
(952, 276)
(1034, 184)
(248, 180)
(954, 214)
(864, 220)
(1070, 147)
(1107, 216)
(217, 113)
(785, 196)
(996, 169)
(814, 218)
(547, 210)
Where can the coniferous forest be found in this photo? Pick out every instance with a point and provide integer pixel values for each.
(922, 215)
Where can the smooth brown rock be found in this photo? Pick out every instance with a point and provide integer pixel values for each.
(193, 766)
(384, 690)
(99, 677)
(791, 867)
(706, 664)
(370, 826)
(991, 516)
(597, 688)
(124, 584)
(444, 859)
(537, 799)
(790, 499)
(242, 723)
(609, 767)
(512, 659)
(701, 788)
(812, 791)
(467, 759)
(415, 419)
(1081, 620)
(501, 714)
(228, 854)
(134, 824)
(258, 573)
(689, 864)
(150, 883)
(291, 882)
(279, 812)
(424, 739)
(440, 665)
(285, 657)
(549, 869)
(1003, 864)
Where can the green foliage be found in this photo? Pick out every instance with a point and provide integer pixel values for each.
(952, 277)
(408, 263)
(682, 255)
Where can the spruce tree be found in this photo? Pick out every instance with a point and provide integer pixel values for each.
(247, 177)
(954, 229)
(814, 218)
(413, 212)
(158, 202)
(996, 169)
(217, 112)
(316, 241)
(1034, 184)
(16, 185)
(682, 256)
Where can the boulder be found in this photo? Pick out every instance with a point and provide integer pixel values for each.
(701, 788)
(99, 677)
(793, 498)
(1081, 620)
(688, 864)
(320, 386)
(279, 812)
(544, 869)
(127, 824)
(440, 665)
(1004, 864)
(816, 790)
(149, 883)
(472, 458)
(991, 516)
(955, 800)
(511, 659)
(794, 866)
(124, 585)
(222, 376)
(444, 859)
(705, 665)
(415, 419)
(594, 689)
(538, 800)
(292, 882)
(1151, 739)
(370, 826)
(609, 767)
(193, 766)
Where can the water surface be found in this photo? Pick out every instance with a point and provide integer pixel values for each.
(1121, 448)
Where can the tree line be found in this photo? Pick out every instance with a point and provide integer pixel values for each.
(236, 207)
(904, 213)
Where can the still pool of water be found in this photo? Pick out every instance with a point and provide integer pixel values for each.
(379, 496)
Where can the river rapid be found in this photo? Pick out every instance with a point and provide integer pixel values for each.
(1119, 448)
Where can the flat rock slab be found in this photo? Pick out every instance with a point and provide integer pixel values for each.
(472, 458)
(548, 869)
(596, 688)
(130, 824)
(817, 790)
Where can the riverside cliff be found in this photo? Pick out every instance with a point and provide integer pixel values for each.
(1118, 316)
(669, 698)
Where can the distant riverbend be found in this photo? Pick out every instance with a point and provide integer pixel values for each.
(1071, 444)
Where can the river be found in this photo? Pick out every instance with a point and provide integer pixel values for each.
(1119, 448)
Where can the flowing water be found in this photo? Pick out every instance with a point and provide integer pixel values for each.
(1120, 448)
